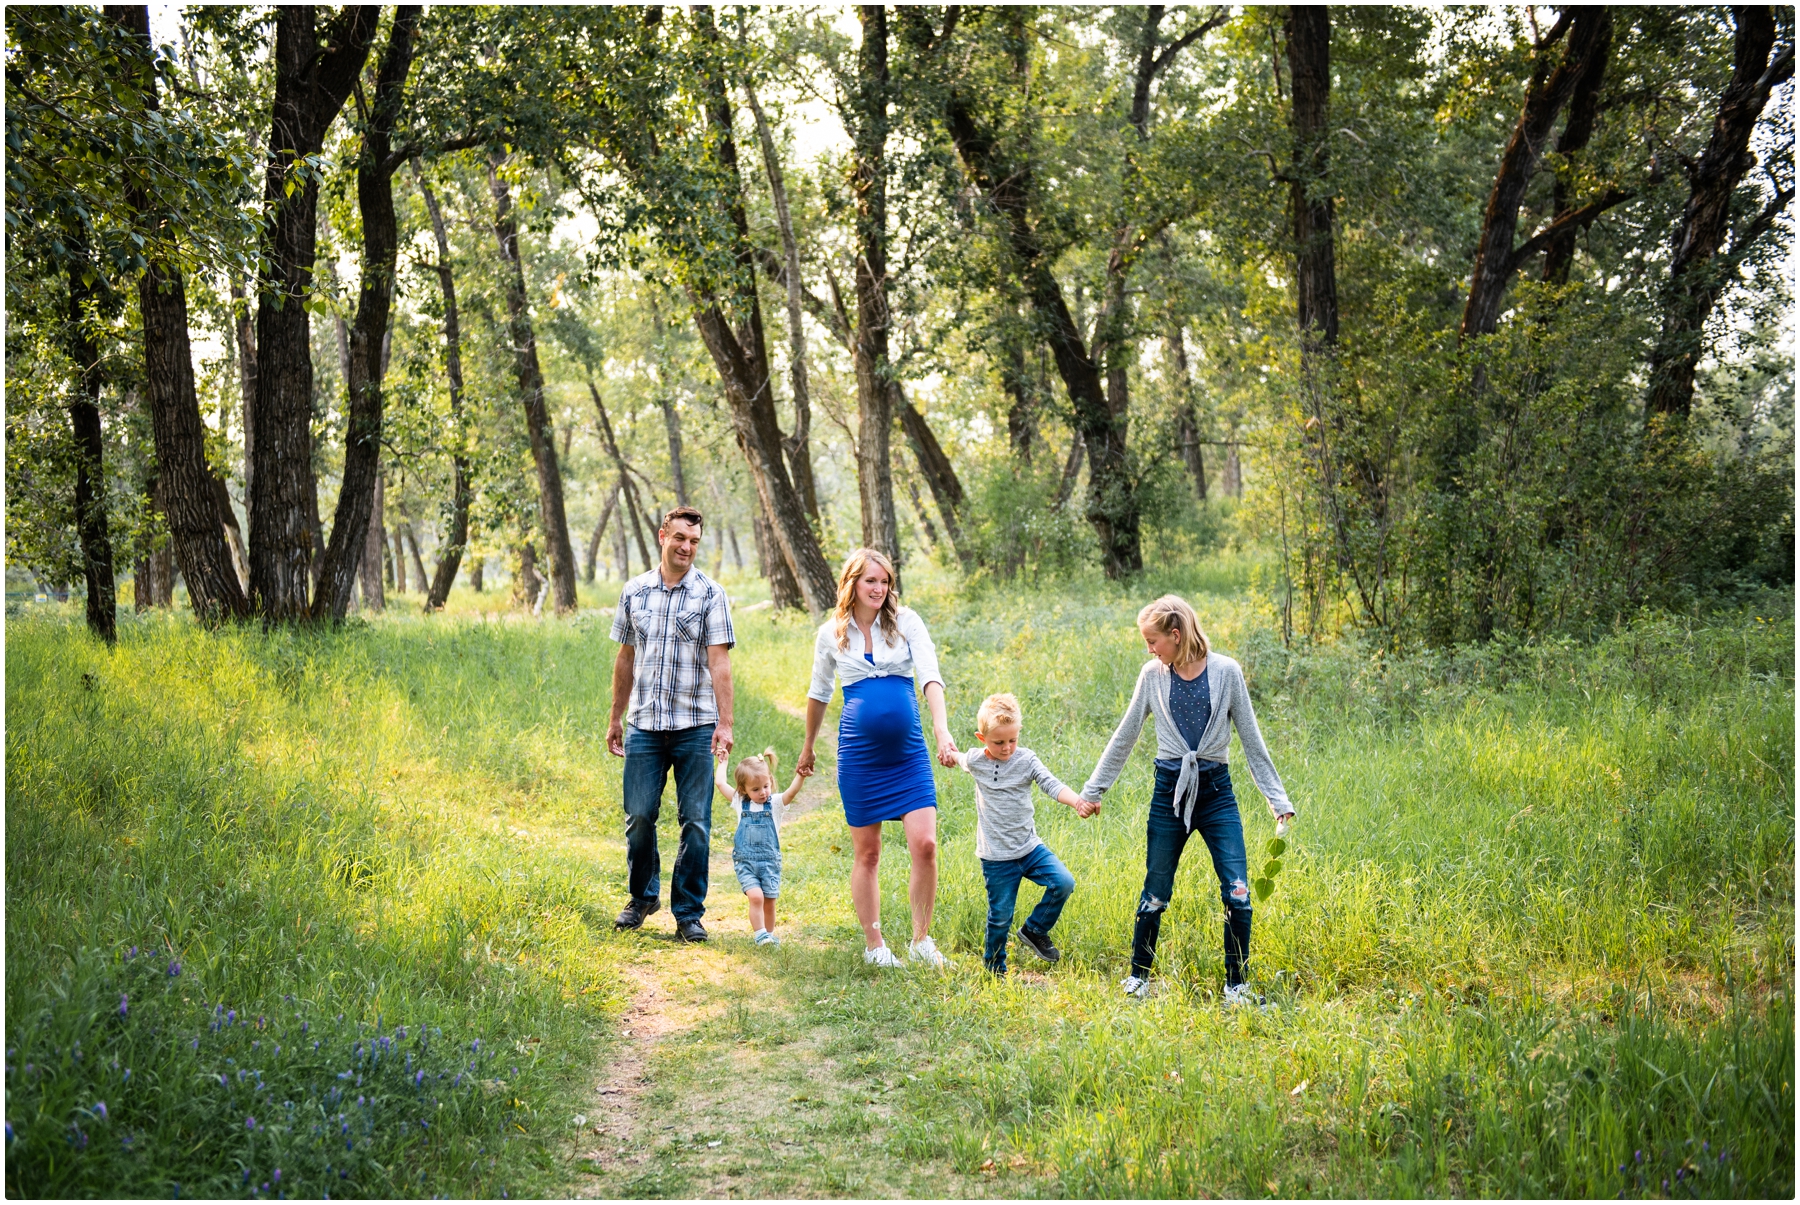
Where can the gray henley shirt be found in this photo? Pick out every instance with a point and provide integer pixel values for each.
(1005, 827)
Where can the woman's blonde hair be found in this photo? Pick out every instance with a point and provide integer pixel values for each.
(1170, 615)
(855, 565)
(753, 768)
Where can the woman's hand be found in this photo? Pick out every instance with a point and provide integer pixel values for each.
(947, 750)
(804, 767)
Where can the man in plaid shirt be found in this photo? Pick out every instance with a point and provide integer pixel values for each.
(673, 626)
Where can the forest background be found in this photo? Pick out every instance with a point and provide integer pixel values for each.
(1443, 357)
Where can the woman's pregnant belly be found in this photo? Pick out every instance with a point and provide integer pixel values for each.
(880, 720)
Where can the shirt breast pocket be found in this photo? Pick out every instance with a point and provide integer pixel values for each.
(689, 625)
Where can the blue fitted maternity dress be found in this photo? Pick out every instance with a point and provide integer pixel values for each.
(883, 766)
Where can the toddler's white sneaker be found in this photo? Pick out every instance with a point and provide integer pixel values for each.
(1138, 988)
(766, 938)
(925, 950)
(880, 956)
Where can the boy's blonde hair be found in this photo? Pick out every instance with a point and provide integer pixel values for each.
(1171, 615)
(753, 768)
(997, 709)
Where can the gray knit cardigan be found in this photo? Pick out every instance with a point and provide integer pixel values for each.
(1230, 705)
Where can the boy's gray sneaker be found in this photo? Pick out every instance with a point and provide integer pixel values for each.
(1240, 996)
(1135, 987)
(635, 912)
(1040, 944)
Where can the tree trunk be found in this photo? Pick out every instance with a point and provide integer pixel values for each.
(1021, 392)
(1112, 508)
(381, 243)
(244, 323)
(90, 467)
(633, 506)
(313, 78)
(737, 553)
(1190, 421)
(184, 479)
(798, 445)
(1584, 107)
(1697, 272)
(940, 475)
(461, 491)
(412, 548)
(374, 542)
(868, 184)
(784, 591)
(475, 574)
(528, 583)
(551, 516)
(1309, 195)
(593, 552)
(741, 358)
(1589, 33)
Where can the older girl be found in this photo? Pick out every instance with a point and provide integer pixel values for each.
(882, 654)
(1196, 696)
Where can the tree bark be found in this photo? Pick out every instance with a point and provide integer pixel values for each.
(798, 444)
(1190, 421)
(397, 551)
(665, 397)
(1589, 34)
(1016, 380)
(1112, 508)
(1309, 63)
(1584, 107)
(367, 364)
(313, 78)
(374, 542)
(244, 324)
(593, 552)
(939, 473)
(868, 185)
(412, 549)
(633, 507)
(741, 357)
(184, 479)
(461, 489)
(1698, 274)
(90, 467)
(551, 516)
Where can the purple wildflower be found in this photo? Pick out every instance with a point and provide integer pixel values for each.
(124, 1002)
(100, 1110)
(127, 1073)
(278, 1175)
(174, 969)
(231, 1017)
(418, 1079)
(131, 953)
(249, 1123)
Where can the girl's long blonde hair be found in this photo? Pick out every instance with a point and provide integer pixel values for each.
(855, 565)
(1171, 615)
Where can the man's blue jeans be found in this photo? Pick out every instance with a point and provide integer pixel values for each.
(649, 756)
(1041, 867)
(1216, 820)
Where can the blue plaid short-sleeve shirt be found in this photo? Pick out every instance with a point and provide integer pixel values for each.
(671, 686)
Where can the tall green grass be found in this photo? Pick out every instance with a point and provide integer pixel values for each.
(1534, 934)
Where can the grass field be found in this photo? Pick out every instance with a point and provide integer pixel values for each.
(340, 905)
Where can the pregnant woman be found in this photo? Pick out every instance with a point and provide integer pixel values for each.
(882, 654)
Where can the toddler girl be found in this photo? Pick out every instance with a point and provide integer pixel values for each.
(756, 849)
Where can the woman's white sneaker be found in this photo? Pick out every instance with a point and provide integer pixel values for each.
(925, 950)
(880, 956)
(1139, 988)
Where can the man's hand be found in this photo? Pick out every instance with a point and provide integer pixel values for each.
(615, 739)
(806, 765)
(721, 746)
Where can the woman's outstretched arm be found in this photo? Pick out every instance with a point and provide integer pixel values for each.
(815, 715)
(940, 723)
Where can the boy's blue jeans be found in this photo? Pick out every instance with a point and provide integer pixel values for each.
(1041, 867)
(1216, 820)
(649, 756)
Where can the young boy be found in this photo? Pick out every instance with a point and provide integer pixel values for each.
(756, 850)
(1006, 837)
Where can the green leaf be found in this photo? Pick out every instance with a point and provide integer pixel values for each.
(1275, 848)
(1271, 868)
(1264, 889)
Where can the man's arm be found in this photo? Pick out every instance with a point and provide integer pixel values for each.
(718, 662)
(623, 665)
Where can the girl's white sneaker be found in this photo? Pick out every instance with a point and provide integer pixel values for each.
(925, 950)
(880, 956)
(766, 938)
(1135, 987)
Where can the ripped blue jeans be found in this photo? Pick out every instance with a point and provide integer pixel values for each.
(1216, 821)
